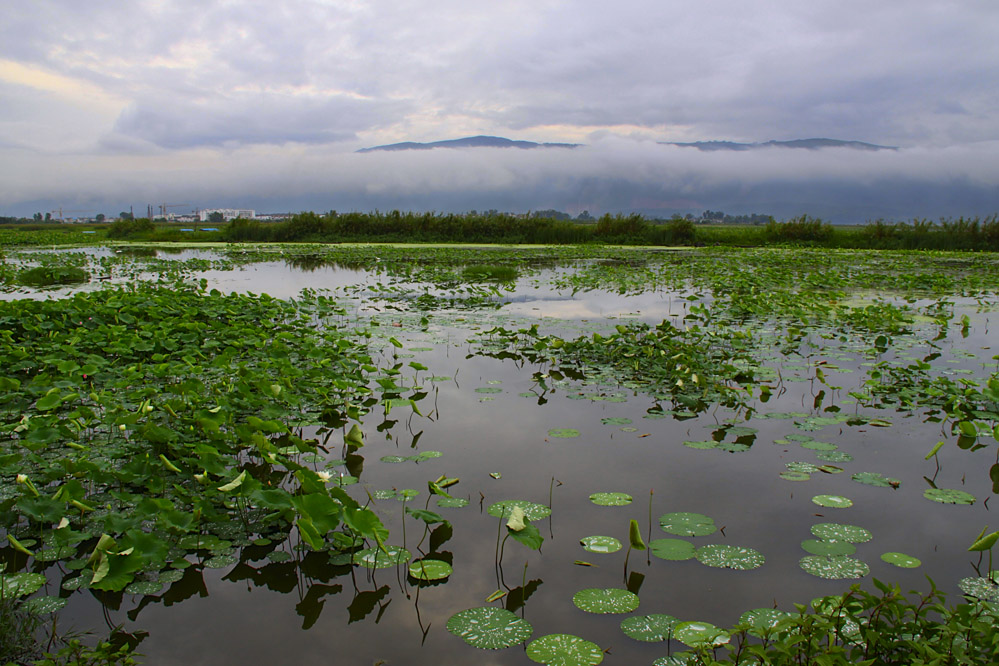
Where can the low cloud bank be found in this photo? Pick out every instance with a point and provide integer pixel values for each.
(610, 174)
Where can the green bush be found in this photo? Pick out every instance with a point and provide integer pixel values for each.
(130, 228)
(799, 229)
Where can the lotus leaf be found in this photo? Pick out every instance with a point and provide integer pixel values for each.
(833, 501)
(489, 628)
(762, 620)
(822, 547)
(840, 532)
(563, 433)
(610, 499)
(687, 524)
(376, 558)
(901, 560)
(700, 634)
(730, 557)
(675, 550)
(600, 544)
(837, 567)
(430, 569)
(876, 479)
(564, 650)
(649, 628)
(532, 510)
(948, 496)
(609, 600)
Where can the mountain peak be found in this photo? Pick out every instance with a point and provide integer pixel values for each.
(808, 144)
(480, 141)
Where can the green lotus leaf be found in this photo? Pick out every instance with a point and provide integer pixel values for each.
(806, 467)
(795, 476)
(649, 628)
(730, 557)
(21, 584)
(451, 502)
(532, 510)
(221, 561)
(430, 569)
(564, 650)
(607, 600)
(384, 494)
(600, 544)
(394, 459)
(563, 433)
(376, 558)
(489, 628)
(840, 532)
(833, 501)
(837, 567)
(43, 605)
(488, 389)
(702, 445)
(610, 499)
(762, 620)
(144, 587)
(687, 524)
(700, 634)
(733, 447)
(741, 431)
(675, 550)
(901, 560)
(616, 420)
(948, 496)
(816, 445)
(980, 588)
(834, 456)
(876, 479)
(828, 548)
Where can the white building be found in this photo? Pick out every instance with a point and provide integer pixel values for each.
(228, 214)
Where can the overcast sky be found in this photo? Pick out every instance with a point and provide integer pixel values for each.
(236, 103)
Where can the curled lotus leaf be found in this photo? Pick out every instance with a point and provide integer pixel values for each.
(489, 628)
(532, 510)
(700, 634)
(564, 650)
(730, 557)
(837, 567)
(676, 550)
(600, 544)
(649, 628)
(948, 496)
(841, 532)
(687, 524)
(605, 600)
(611, 499)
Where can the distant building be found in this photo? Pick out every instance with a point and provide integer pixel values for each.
(228, 214)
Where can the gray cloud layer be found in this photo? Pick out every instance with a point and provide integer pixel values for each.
(116, 101)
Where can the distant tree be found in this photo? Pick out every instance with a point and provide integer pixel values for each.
(38, 217)
(48, 217)
(100, 217)
(216, 217)
(125, 216)
(585, 216)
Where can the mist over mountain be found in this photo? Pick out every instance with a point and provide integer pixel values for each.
(468, 142)
(808, 144)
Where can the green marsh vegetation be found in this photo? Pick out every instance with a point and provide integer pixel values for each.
(804, 417)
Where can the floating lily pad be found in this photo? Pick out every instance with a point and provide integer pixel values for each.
(394, 459)
(564, 650)
(676, 550)
(901, 560)
(733, 447)
(762, 620)
(687, 524)
(452, 502)
(876, 479)
(838, 567)
(741, 431)
(834, 456)
(828, 548)
(649, 628)
(610, 499)
(144, 587)
(221, 561)
(700, 634)
(376, 558)
(21, 584)
(532, 510)
(948, 496)
(833, 501)
(563, 433)
(702, 445)
(489, 628)
(616, 420)
(730, 557)
(430, 570)
(605, 600)
(795, 476)
(980, 588)
(384, 494)
(816, 445)
(600, 544)
(43, 605)
(805, 467)
(840, 532)
(488, 389)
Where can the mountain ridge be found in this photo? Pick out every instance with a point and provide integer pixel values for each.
(808, 144)
(479, 141)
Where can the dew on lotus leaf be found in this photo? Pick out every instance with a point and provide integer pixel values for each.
(430, 569)
(722, 556)
(836, 567)
(605, 600)
(532, 510)
(901, 560)
(841, 532)
(762, 621)
(452, 502)
(948, 496)
(700, 634)
(489, 628)
(600, 544)
(687, 524)
(876, 479)
(676, 550)
(376, 558)
(833, 501)
(649, 628)
(828, 548)
(564, 650)
(611, 499)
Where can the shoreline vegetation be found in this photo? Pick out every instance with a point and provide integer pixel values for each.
(962, 234)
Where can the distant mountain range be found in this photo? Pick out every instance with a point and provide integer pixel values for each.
(809, 144)
(469, 142)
